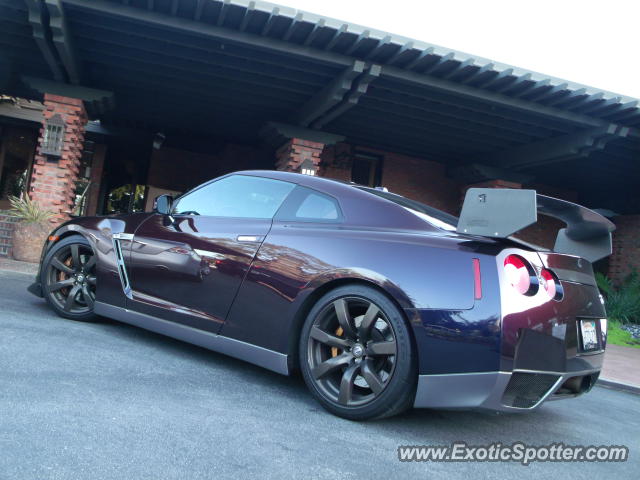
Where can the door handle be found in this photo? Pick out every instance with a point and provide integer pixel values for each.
(249, 238)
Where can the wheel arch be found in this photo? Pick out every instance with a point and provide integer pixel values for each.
(319, 289)
(62, 233)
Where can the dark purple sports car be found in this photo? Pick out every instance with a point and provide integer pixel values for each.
(381, 302)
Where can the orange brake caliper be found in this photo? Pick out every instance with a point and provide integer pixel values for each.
(334, 350)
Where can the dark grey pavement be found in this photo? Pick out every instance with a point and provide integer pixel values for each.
(110, 401)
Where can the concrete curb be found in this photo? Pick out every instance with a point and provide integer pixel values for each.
(15, 266)
(10, 270)
(615, 385)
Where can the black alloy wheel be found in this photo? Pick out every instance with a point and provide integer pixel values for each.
(356, 354)
(69, 278)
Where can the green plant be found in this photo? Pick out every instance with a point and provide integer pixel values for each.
(29, 211)
(617, 336)
(622, 302)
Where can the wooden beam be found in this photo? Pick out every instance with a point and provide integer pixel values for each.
(273, 16)
(63, 41)
(224, 9)
(490, 99)
(557, 149)
(36, 11)
(314, 32)
(277, 133)
(292, 26)
(248, 15)
(419, 59)
(358, 42)
(96, 101)
(339, 32)
(329, 96)
(352, 98)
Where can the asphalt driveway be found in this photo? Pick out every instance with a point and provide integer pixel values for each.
(107, 400)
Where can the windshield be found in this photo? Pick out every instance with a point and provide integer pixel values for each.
(432, 215)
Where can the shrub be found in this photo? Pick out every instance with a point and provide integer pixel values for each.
(623, 302)
(29, 211)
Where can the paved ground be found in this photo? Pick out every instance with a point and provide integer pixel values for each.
(110, 401)
(622, 364)
(16, 266)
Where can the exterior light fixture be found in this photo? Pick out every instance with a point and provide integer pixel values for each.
(308, 168)
(158, 140)
(53, 138)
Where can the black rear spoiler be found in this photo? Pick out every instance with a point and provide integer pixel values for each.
(501, 212)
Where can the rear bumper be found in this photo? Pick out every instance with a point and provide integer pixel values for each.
(517, 391)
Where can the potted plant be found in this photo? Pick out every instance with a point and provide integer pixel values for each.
(31, 229)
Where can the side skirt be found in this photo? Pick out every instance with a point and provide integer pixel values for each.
(278, 362)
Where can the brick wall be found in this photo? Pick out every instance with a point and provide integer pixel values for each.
(428, 182)
(626, 248)
(416, 178)
(53, 179)
(7, 223)
(177, 169)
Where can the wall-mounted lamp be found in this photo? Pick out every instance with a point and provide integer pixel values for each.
(308, 168)
(158, 140)
(53, 138)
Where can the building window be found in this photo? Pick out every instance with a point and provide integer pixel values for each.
(367, 170)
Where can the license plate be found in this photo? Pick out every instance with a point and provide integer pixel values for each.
(589, 335)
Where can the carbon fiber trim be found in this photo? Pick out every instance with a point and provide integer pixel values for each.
(526, 390)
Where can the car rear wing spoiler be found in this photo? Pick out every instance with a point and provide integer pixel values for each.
(501, 212)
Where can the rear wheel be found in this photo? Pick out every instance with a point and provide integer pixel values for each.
(68, 278)
(356, 354)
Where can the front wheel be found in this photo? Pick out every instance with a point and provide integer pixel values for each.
(356, 354)
(68, 277)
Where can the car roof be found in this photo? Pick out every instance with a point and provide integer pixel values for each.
(359, 206)
(319, 183)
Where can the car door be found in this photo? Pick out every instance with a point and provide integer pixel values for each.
(188, 266)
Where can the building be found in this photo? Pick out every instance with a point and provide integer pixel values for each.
(107, 103)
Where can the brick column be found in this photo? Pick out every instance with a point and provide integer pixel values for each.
(296, 151)
(53, 178)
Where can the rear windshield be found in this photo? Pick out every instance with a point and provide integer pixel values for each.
(432, 215)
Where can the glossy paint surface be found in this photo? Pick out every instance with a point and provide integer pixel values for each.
(189, 269)
(194, 271)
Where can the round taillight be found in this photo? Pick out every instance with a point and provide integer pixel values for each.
(520, 275)
(551, 284)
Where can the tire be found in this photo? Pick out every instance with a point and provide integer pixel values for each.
(357, 356)
(68, 278)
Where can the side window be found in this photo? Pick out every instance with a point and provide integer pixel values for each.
(317, 206)
(235, 196)
(306, 205)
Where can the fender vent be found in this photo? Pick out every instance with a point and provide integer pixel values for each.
(122, 269)
(525, 390)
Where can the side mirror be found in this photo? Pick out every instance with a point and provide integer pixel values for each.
(162, 204)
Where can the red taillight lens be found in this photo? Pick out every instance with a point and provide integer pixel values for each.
(551, 284)
(477, 279)
(520, 275)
